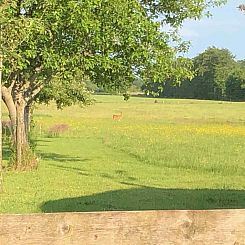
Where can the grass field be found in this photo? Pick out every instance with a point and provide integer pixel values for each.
(173, 154)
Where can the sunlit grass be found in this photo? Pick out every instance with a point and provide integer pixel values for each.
(170, 154)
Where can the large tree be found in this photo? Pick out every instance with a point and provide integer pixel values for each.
(49, 44)
(212, 67)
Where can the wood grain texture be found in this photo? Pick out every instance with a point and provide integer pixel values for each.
(144, 227)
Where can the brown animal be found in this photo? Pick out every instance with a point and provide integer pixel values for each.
(117, 117)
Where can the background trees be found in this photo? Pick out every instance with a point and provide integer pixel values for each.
(217, 76)
(212, 68)
(235, 85)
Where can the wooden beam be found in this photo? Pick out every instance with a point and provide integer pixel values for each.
(146, 227)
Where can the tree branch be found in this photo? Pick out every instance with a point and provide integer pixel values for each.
(33, 95)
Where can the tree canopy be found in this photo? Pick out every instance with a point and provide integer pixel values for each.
(212, 68)
(108, 41)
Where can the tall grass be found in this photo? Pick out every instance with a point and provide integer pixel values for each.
(211, 148)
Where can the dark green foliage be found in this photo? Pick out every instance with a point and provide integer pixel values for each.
(212, 68)
(126, 96)
(169, 89)
(235, 85)
(32, 136)
(217, 76)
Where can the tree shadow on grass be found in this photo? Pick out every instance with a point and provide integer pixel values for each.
(148, 198)
(77, 170)
(43, 142)
(61, 158)
(121, 174)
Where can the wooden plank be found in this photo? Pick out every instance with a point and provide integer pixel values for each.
(143, 227)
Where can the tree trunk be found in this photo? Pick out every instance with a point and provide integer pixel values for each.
(19, 113)
(27, 120)
(21, 137)
(9, 102)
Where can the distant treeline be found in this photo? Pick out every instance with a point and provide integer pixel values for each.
(217, 76)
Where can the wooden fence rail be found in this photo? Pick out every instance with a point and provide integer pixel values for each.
(143, 227)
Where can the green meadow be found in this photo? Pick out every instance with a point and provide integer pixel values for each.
(162, 154)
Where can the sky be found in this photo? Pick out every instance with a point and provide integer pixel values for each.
(225, 29)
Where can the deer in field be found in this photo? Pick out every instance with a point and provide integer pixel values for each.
(117, 117)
